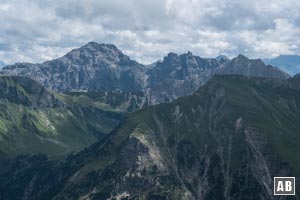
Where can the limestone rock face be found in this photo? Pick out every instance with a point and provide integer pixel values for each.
(91, 67)
(103, 67)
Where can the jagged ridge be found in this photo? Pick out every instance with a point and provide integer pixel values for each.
(102, 67)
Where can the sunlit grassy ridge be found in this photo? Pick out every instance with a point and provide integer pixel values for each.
(33, 120)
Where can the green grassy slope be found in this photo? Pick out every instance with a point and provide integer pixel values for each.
(226, 141)
(116, 101)
(33, 120)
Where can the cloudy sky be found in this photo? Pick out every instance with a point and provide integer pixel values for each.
(38, 30)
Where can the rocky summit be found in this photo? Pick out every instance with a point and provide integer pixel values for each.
(251, 68)
(91, 67)
(103, 67)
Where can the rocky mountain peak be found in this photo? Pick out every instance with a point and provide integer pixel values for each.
(189, 53)
(170, 59)
(222, 59)
(91, 67)
(104, 48)
(252, 68)
(94, 51)
(241, 57)
(297, 76)
(171, 55)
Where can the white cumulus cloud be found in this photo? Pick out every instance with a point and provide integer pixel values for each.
(35, 30)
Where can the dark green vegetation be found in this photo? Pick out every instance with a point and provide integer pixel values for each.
(226, 141)
(34, 120)
(116, 100)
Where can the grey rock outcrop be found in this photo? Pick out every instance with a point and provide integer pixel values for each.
(252, 68)
(91, 67)
(103, 67)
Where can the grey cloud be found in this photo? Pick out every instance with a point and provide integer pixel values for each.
(35, 30)
(239, 20)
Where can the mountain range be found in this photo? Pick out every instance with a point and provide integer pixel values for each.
(226, 141)
(103, 67)
(95, 124)
(288, 63)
